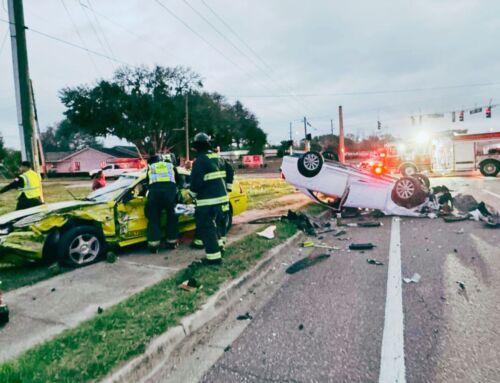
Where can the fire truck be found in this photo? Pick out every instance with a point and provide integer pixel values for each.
(467, 152)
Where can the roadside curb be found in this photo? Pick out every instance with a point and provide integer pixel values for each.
(144, 365)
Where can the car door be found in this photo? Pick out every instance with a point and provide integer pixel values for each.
(131, 219)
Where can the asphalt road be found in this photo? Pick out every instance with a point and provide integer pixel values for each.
(346, 320)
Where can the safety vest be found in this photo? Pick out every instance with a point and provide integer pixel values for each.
(161, 172)
(32, 184)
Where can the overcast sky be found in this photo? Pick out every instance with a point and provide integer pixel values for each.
(379, 59)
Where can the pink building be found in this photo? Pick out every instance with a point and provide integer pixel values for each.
(84, 160)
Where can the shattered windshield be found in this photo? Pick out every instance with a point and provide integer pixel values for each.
(112, 191)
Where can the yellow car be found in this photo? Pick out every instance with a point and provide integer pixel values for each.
(78, 232)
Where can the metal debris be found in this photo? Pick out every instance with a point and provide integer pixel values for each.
(414, 279)
(245, 316)
(361, 246)
(374, 262)
(306, 262)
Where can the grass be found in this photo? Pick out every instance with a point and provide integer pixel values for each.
(95, 347)
(262, 192)
(52, 191)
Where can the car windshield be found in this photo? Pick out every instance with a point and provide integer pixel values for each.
(111, 191)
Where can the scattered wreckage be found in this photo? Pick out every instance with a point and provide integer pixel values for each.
(78, 232)
(339, 186)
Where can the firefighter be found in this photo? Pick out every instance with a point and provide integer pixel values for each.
(211, 178)
(162, 195)
(30, 185)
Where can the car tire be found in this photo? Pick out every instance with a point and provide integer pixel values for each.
(409, 192)
(310, 164)
(408, 170)
(489, 168)
(423, 179)
(81, 246)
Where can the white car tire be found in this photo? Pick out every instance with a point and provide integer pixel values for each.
(310, 164)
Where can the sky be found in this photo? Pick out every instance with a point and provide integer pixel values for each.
(384, 60)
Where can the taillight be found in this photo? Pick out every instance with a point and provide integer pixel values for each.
(282, 176)
(378, 170)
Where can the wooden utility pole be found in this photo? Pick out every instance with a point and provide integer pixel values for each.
(25, 115)
(341, 136)
(331, 125)
(306, 141)
(187, 127)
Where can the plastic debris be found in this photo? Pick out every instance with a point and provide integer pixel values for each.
(301, 327)
(100, 310)
(361, 246)
(320, 246)
(465, 202)
(461, 231)
(350, 212)
(455, 218)
(268, 232)
(190, 284)
(461, 285)
(227, 348)
(374, 262)
(339, 233)
(245, 316)
(414, 279)
(52, 289)
(365, 224)
(306, 262)
(111, 257)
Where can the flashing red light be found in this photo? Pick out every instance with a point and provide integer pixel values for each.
(382, 154)
(378, 170)
(488, 111)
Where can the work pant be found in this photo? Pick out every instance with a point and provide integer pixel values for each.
(221, 224)
(25, 203)
(161, 196)
(206, 228)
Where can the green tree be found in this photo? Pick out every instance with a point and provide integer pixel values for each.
(64, 137)
(142, 106)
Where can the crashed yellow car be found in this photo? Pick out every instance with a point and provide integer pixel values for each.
(78, 232)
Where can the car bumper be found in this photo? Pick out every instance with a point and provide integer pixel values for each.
(25, 244)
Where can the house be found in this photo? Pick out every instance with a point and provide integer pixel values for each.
(86, 159)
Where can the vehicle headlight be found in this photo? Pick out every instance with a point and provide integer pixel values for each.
(29, 220)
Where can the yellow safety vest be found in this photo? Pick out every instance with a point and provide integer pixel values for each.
(161, 172)
(32, 184)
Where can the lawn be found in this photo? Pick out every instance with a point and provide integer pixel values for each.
(262, 192)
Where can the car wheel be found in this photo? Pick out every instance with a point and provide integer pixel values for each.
(424, 180)
(81, 246)
(310, 164)
(408, 170)
(489, 168)
(409, 192)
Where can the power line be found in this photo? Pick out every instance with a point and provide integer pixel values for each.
(105, 45)
(67, 42)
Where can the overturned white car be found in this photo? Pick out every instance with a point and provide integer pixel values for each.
(337, 185)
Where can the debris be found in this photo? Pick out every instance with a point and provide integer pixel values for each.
(306, 262)
(111, 257)
(319, 246)
(461, 285)
(326, 231)
(483, 209)
(271, 219)
(301, 327)
(414, 279)
(461, 231)
(455, 250)
(432, 215)
(268, 232)
(246, 316)
(190, 284)
(365, 224)
(493, 221)
(55, 268)
(302, 221)
(100, 310)
(350, 212)
(455, 218)
(339, 233)
(465, 202)
(361, 246)
(52, 289)
(374, 262)
(227, 348)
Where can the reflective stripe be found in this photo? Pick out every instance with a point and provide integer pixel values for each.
(213, 256)
(212, 201)
(225, 208)
(193, 194)
(153, 243)
(198, 242)
(229, 187)
(224, 239)
(32, 184)
(212, 155)
(161, 172)
(171, 241)
(221, 243)
(214, 175)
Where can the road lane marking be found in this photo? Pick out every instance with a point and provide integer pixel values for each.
(392, 360)
(493, 194)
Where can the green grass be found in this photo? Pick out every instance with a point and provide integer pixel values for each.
(262, 192)
(95, 347)
(52, 191)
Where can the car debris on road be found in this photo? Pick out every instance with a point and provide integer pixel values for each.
(414, 279)
(361, 246)
(305, 263)
(4, 310)
(268, 232)
(374, 262)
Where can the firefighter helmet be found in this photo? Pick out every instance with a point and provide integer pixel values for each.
(201, 141)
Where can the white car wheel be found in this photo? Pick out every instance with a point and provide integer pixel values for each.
(310, 164)
(405, 189)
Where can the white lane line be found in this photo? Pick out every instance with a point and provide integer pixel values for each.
(392, 360)
(493, 194)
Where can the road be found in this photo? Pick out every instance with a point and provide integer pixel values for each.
(346, 320)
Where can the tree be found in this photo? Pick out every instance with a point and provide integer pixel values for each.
(64, 136)
(10, 160)
(139, 105)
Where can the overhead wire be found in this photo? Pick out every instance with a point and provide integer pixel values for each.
(99, 25)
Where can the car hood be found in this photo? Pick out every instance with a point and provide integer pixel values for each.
(46, 208)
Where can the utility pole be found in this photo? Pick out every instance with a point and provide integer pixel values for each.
(331, 125)
(187, 127)
(306, 141)
(341, 136)
(291, 140)
(25, 115)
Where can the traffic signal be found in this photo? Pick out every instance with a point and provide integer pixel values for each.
(488, 111)
(379, 125)
(461, 116)
(308, 137)
(453, 116)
